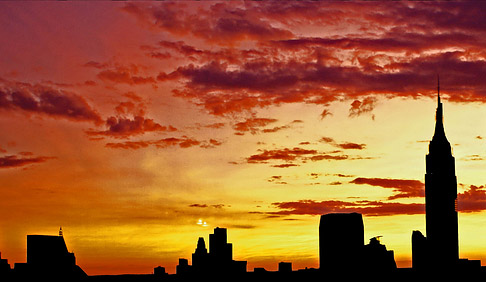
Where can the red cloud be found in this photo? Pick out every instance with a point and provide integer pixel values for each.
(280, 154)
(345, 145)
(291, 155)
(124, 75)
(217, 23)
(252, 124)
(310, 207)
(182, 142)
(45, 101)
(12, 161)
(404, 188)
(399, 60)
(472, 200)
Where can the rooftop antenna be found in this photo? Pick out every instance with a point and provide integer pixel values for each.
(438, 89)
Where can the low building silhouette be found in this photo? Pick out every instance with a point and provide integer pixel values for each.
(342, 248)
(5, 270)
(284, 267)
(219, 259)
(183, 268)
(377, 258)
(48, 258)
(159, 272)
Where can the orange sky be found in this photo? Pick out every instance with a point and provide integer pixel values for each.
(127, 123)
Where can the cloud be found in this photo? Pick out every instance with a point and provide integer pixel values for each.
(296, 154)
(276, 179)
(124, 75)
(321, 157)
(12, 161)
(215, 23)
(129, 120)
(367, 208)
(284, 165)
(344, 145)
(473, 158)
(403, 188)
(397, 54)
(45, 101)
(252, 125)
(121, 127)
(285, 154)
(198, 206)
(182, 142)
(472, 200)
(325, 113)
(360, 107)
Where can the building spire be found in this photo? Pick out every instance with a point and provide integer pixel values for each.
(438, 89)
(439, 124)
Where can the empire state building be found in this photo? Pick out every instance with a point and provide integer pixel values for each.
(441, 246)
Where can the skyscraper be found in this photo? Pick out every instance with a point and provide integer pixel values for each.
(441, 195)
(441, 246)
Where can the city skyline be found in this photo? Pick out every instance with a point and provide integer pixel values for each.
(140, 127)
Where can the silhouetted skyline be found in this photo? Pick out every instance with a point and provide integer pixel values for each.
(342, 252)
(147, 125)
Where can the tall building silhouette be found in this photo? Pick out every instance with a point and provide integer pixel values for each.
(341, 240)
(220, 250)
(440, 247)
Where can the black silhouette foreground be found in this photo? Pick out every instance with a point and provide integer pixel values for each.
(343, 256)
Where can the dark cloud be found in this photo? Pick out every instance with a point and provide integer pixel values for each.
(121, 127)
(217, 23)
(216, 206)
(357, 64)
(198, 206)
(12, 161)
(46, 101)
(360, 107)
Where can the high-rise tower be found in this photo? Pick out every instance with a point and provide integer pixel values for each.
(441, 197)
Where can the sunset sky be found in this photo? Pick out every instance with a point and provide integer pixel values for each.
(128, 122)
